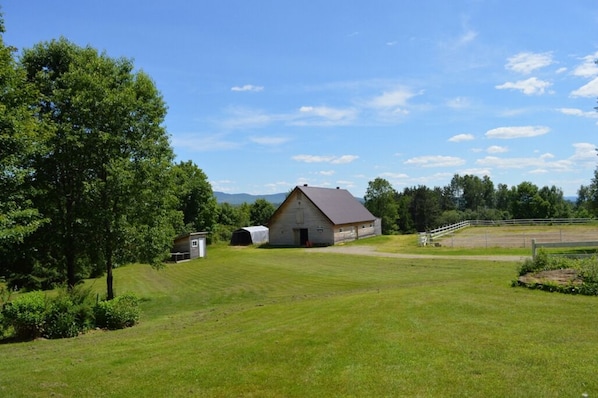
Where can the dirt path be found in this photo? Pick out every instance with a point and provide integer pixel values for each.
(371, 251)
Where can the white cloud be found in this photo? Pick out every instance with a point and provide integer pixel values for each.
(461, 138)
(200, 142)
(529, 86)
(497, 149)
(467, 37)
(588, 67)
(247, 87)
(323, 115)
(517, 132)
(392, 99)
(459, 103)
(325, 159)
(527, 62)
(244, 118)
(584, 151)
(578, 112)
(561, 70)
(345, 159)
(394, 176)
(476, 171)
(326, 172)
(265, 140)
(435, 161)
(540, 162)
(588, 90)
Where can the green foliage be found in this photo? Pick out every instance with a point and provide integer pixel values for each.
(195, 197)
(260, 212)
(380, 200)
(118, 313)
(587, 269)
(26, 315)
(36, 315)
(103, 166)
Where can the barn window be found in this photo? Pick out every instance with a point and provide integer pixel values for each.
(340, 230)
(194, 243)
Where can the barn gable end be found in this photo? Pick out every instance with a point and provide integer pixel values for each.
(320, 216)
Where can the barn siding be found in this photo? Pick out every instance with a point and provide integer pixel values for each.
(299, 213)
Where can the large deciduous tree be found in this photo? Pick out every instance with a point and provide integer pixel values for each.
(260, 212)
(196, 198)
(20, 139)
(106, 174)
(380, 200)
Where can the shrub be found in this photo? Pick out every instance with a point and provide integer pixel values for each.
(119, 313)
(60, 319)
(69, 314)
(26, 315)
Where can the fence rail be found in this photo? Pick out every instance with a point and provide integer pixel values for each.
(536, 245)
(429, 236)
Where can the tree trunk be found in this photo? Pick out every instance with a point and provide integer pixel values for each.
(109, 278)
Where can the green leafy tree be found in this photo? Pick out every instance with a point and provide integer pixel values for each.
(106, 176)
(380, 200)
(260, 212)
(196, 198)
(526, 203)
(20, 139)
(424, 207)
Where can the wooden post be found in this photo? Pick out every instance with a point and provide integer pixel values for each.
(533, 249)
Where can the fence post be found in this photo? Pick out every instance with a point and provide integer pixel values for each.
(533, 249)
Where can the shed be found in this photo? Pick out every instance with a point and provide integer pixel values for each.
(255, 235)
(189, 246)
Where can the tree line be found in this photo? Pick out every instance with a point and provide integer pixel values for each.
(469, 197)
(88, 178)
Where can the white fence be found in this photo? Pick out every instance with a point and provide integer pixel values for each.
(428, 237)
(536, 245)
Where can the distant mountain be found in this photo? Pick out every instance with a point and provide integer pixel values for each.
(240, 198)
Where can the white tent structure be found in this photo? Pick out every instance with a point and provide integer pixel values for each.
(255, 235)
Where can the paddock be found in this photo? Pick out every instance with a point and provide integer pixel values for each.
(518, 236)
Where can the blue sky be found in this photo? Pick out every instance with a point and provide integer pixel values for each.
(265, 95)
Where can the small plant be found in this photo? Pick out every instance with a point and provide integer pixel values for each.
(119, 313)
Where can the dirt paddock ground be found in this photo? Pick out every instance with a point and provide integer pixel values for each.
(519, 236)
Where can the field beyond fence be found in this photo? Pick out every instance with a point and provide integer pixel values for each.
(513, 233)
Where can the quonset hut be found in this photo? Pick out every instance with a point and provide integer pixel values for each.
(255, 235)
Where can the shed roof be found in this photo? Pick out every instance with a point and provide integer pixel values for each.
(338, 205)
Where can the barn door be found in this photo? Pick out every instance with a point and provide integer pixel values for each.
(303, 237)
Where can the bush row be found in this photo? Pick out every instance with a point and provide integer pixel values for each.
(67, 314)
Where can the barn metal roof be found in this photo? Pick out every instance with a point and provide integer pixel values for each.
(338, 205)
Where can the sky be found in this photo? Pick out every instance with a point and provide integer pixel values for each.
(265, 95)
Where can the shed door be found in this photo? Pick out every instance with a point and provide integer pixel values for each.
(202, 248)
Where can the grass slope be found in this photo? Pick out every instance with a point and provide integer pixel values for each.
(294, 322)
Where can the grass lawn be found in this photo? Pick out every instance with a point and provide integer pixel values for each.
(296, 323)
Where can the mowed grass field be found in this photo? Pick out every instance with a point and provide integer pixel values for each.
(251, 322)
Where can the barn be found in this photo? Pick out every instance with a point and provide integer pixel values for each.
(189, 246)
(255, 235)
(321, 216)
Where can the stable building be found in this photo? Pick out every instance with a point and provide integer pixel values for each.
(321, 216)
